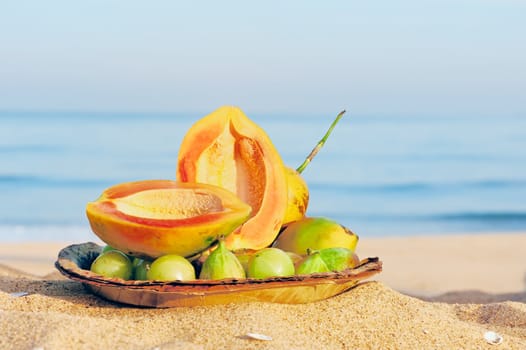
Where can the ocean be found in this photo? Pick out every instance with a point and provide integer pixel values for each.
(377, 175)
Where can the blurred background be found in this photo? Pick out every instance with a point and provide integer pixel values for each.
(433, 141)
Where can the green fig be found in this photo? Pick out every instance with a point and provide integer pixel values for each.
(327, 260)
(270, 262)
(244, 255)
(113, 263)
(338, 259)
(140, 268)
(171, 267)
(315, 233)
(313, 263)
(220, 264)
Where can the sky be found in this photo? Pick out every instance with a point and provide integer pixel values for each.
(408, 57)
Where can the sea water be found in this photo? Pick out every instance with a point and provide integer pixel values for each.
(378, 175)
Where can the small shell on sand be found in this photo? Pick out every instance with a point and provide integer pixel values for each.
(493, 338)
(258, 336)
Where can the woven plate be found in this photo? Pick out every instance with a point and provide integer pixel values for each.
(75, 260)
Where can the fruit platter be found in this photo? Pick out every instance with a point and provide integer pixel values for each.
(231, 227)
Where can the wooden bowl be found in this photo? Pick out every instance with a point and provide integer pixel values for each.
(75, 260)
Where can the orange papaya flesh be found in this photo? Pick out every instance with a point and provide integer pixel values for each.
(156, 217)
(227, 149)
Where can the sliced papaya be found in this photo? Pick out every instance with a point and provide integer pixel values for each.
(227, 149)
(157, 217)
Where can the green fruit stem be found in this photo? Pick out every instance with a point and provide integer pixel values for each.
(320, 144)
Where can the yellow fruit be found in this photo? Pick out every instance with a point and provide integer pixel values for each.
(298, 196)
(315, 234)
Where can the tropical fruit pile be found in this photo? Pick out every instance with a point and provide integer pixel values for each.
(234, 211)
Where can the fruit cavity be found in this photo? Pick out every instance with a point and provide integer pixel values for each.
(227, 149)
(156, 217)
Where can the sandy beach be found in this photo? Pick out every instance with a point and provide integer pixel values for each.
(435, 292)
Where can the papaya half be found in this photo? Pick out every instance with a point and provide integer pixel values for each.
(151, 218)
(227, 149)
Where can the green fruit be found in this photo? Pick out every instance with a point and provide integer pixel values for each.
(327, 260)
(270, 262)
(136, 262)
(313, 263)
(315, 234)
(113, 263)
(338, 259)
(220, 264)
(140, 269)
(171, 267)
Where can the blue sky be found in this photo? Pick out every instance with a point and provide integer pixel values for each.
(373, 57)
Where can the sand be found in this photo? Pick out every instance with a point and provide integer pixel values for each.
(434, 293)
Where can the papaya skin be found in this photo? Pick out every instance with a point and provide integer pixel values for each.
(146, 219)
(227, 149)
(315, 233)
(298, 196)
